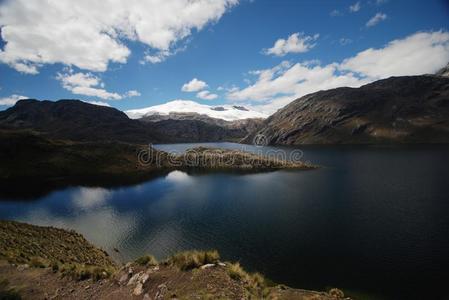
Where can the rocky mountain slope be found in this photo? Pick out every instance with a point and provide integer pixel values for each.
(194, 127)
(79, 121)
(409, 109)
(76, 120)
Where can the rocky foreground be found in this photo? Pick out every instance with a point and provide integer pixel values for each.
(49, 263)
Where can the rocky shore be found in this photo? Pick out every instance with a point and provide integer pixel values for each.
(48, 263)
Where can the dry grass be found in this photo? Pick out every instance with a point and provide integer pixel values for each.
(147, 260)
(255, 283)
(189, 260)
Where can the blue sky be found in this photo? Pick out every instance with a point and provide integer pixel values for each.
(228, 51)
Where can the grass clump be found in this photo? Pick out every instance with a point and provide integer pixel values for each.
(189, 260)
(147, 260)
(255, 283)
(83, 272)
(38, 262)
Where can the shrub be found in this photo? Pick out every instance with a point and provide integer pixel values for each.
(38, 262)
(147, 260)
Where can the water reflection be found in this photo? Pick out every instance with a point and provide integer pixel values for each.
(368, 211)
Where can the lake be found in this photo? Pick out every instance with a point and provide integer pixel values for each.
(373, 220)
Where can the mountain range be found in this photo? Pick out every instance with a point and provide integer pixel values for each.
(407, 109)
(225, 112)
(80, 121)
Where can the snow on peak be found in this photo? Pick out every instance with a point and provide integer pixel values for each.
(225, 112)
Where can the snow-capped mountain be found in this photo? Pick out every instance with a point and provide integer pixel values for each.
(225, 112)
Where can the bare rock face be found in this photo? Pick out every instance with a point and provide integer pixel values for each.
(194, 127)
(409, 109)
(444, 71)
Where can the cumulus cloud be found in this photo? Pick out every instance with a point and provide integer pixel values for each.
(355, 7)
(194, 85)
(376, 19)
(206, 95)
(86, 84)
(420, 53)
(90, 35)
(295, 43)
(132, 93)
(11, 100)
(297, 79)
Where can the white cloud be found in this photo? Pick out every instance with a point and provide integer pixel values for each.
(206, 95)
(336, 13)
(11, 100)
(133, 93)
(376, 19)
(194, 85)
(100, 103)
(298, 79)
(355, 7)
(90, 35)
(295, 43)
(420, 53)
(380, 2)
(345, 41)
(86, 84)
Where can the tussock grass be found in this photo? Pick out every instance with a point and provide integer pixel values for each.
(147, 260)
(255, 283)
(83, 272)
(189, 260)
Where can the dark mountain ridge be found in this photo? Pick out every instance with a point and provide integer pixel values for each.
(194, 127)
(407, 109)
(80, 121)
(76, 120)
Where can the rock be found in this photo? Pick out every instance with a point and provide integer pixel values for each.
(222, 264)
(23, 267)
(207, 266)
(162, 288)
(336, 293)
(123, 279)
(134, 279)
(138, 289)
(130, 271)
(146, 297)
(144, 278)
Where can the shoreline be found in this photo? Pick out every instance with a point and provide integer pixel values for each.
(36, 261)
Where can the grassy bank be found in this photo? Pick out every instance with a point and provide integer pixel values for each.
(45, 262)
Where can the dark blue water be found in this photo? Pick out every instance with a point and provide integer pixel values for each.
(372, 220)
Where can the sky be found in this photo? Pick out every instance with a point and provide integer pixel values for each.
(261, 54)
